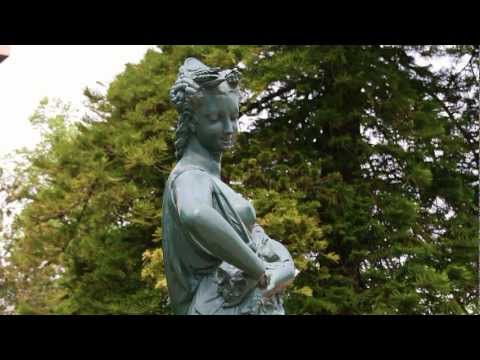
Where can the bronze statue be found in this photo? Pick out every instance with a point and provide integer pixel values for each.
(217, 259)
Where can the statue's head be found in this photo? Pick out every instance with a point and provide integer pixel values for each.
(207, 100)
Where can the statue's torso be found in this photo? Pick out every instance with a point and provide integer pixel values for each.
(244, 208)
(186, 261)
(192, 271)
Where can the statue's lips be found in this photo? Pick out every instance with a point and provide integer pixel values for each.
(227, 140)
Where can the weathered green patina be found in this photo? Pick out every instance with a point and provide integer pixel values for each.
(217, 259)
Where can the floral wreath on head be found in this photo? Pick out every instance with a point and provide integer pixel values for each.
(194, 76)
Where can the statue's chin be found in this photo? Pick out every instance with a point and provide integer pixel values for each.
(227, 145)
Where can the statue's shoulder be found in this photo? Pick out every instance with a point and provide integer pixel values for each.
(189, 174)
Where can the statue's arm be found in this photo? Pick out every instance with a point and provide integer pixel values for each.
(280, 250)
(283, 272)
(193, 196)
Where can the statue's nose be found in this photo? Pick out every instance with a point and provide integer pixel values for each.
(229, 127)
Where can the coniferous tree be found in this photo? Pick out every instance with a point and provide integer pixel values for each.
(384, 149)
(363, 163)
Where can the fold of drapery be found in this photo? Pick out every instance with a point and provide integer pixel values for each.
(198, 281)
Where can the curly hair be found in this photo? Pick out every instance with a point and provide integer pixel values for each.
(194, 80)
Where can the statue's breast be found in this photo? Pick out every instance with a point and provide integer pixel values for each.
(243, 207)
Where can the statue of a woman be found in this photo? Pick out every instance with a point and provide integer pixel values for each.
(217, 259)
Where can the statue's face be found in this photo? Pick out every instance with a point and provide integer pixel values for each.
(216, 122)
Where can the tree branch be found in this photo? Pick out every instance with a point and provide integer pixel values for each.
(269, 97)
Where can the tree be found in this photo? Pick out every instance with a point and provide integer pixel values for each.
(92, 193)
(360, 133)
(360, 161)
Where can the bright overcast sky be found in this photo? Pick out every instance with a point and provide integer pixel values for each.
(58, 71)
(54, 71)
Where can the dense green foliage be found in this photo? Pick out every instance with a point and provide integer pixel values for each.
(363, 163)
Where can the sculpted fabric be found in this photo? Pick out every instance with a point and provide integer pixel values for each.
(199, 282)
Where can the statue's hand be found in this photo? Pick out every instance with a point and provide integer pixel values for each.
(278, 280)
(272, 283)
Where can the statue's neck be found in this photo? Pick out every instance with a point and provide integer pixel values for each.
(195, 154)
